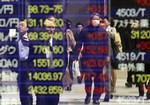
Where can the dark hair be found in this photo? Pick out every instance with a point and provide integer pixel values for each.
(21, 19)
(66, 22)
(112, 23)
(105, 17)
(94, 14)
(79, 24)
(50, 16)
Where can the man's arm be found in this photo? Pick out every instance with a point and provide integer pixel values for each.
(80, 44)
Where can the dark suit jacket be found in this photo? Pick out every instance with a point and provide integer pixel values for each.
(92, 46)
(35, 55)
(21, 65)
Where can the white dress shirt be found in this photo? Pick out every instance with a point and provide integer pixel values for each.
(23, 50)
(49, 53)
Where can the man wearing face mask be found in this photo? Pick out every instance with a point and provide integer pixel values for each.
(91, 39)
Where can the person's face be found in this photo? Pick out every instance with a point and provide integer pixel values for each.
(22, 27)
(95, 21)
(134, 25)
(50, 27)
(69, 24)
(79, 28)
(104, 23)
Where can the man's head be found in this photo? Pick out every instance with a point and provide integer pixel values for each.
(135, 24)
(79, 27)
(22, 27)
(67, 23)
(95, 19)
(49, 25)
(52, 18)
(104, 22)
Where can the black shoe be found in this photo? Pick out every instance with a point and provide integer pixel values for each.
(141, 95)
(148, 96)
(106, 99)
(111, 96)
(128, 84)
(141, 91)
(68, 88)
(87, 101)
(96, 102)
(79, 79)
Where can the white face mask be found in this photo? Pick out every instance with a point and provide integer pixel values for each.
(95, 22)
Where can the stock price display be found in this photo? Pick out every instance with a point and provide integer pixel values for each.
(47, 52)
(47, 49)
(135, 58)
(96, 51)
(34, 22)
(45, 63)
(8, 34)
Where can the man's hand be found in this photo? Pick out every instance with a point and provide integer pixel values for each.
(108, 59)
(79, 56)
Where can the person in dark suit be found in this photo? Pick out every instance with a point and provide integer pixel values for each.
(79, 27)
(49, 64)
(23, 50)
(92, 59)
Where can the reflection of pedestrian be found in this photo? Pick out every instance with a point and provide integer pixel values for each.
(116, 47)
(79, 27)
(140, 48)
(90, 61)
(23, 80)
(70, 47)
(130, 45)
(48, 64)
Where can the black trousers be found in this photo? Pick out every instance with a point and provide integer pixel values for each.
(23, 84)
(70, 65)
(147, 85)
(98, 85)
(129, 79)
(46, 98)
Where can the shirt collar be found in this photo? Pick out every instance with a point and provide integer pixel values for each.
(25, 37)
(108, 28)
(51, 41)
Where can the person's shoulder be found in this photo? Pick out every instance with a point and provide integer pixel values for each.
(102, 29)
(25, 37)
(89, 27)
(68, 30)
(85, 29)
